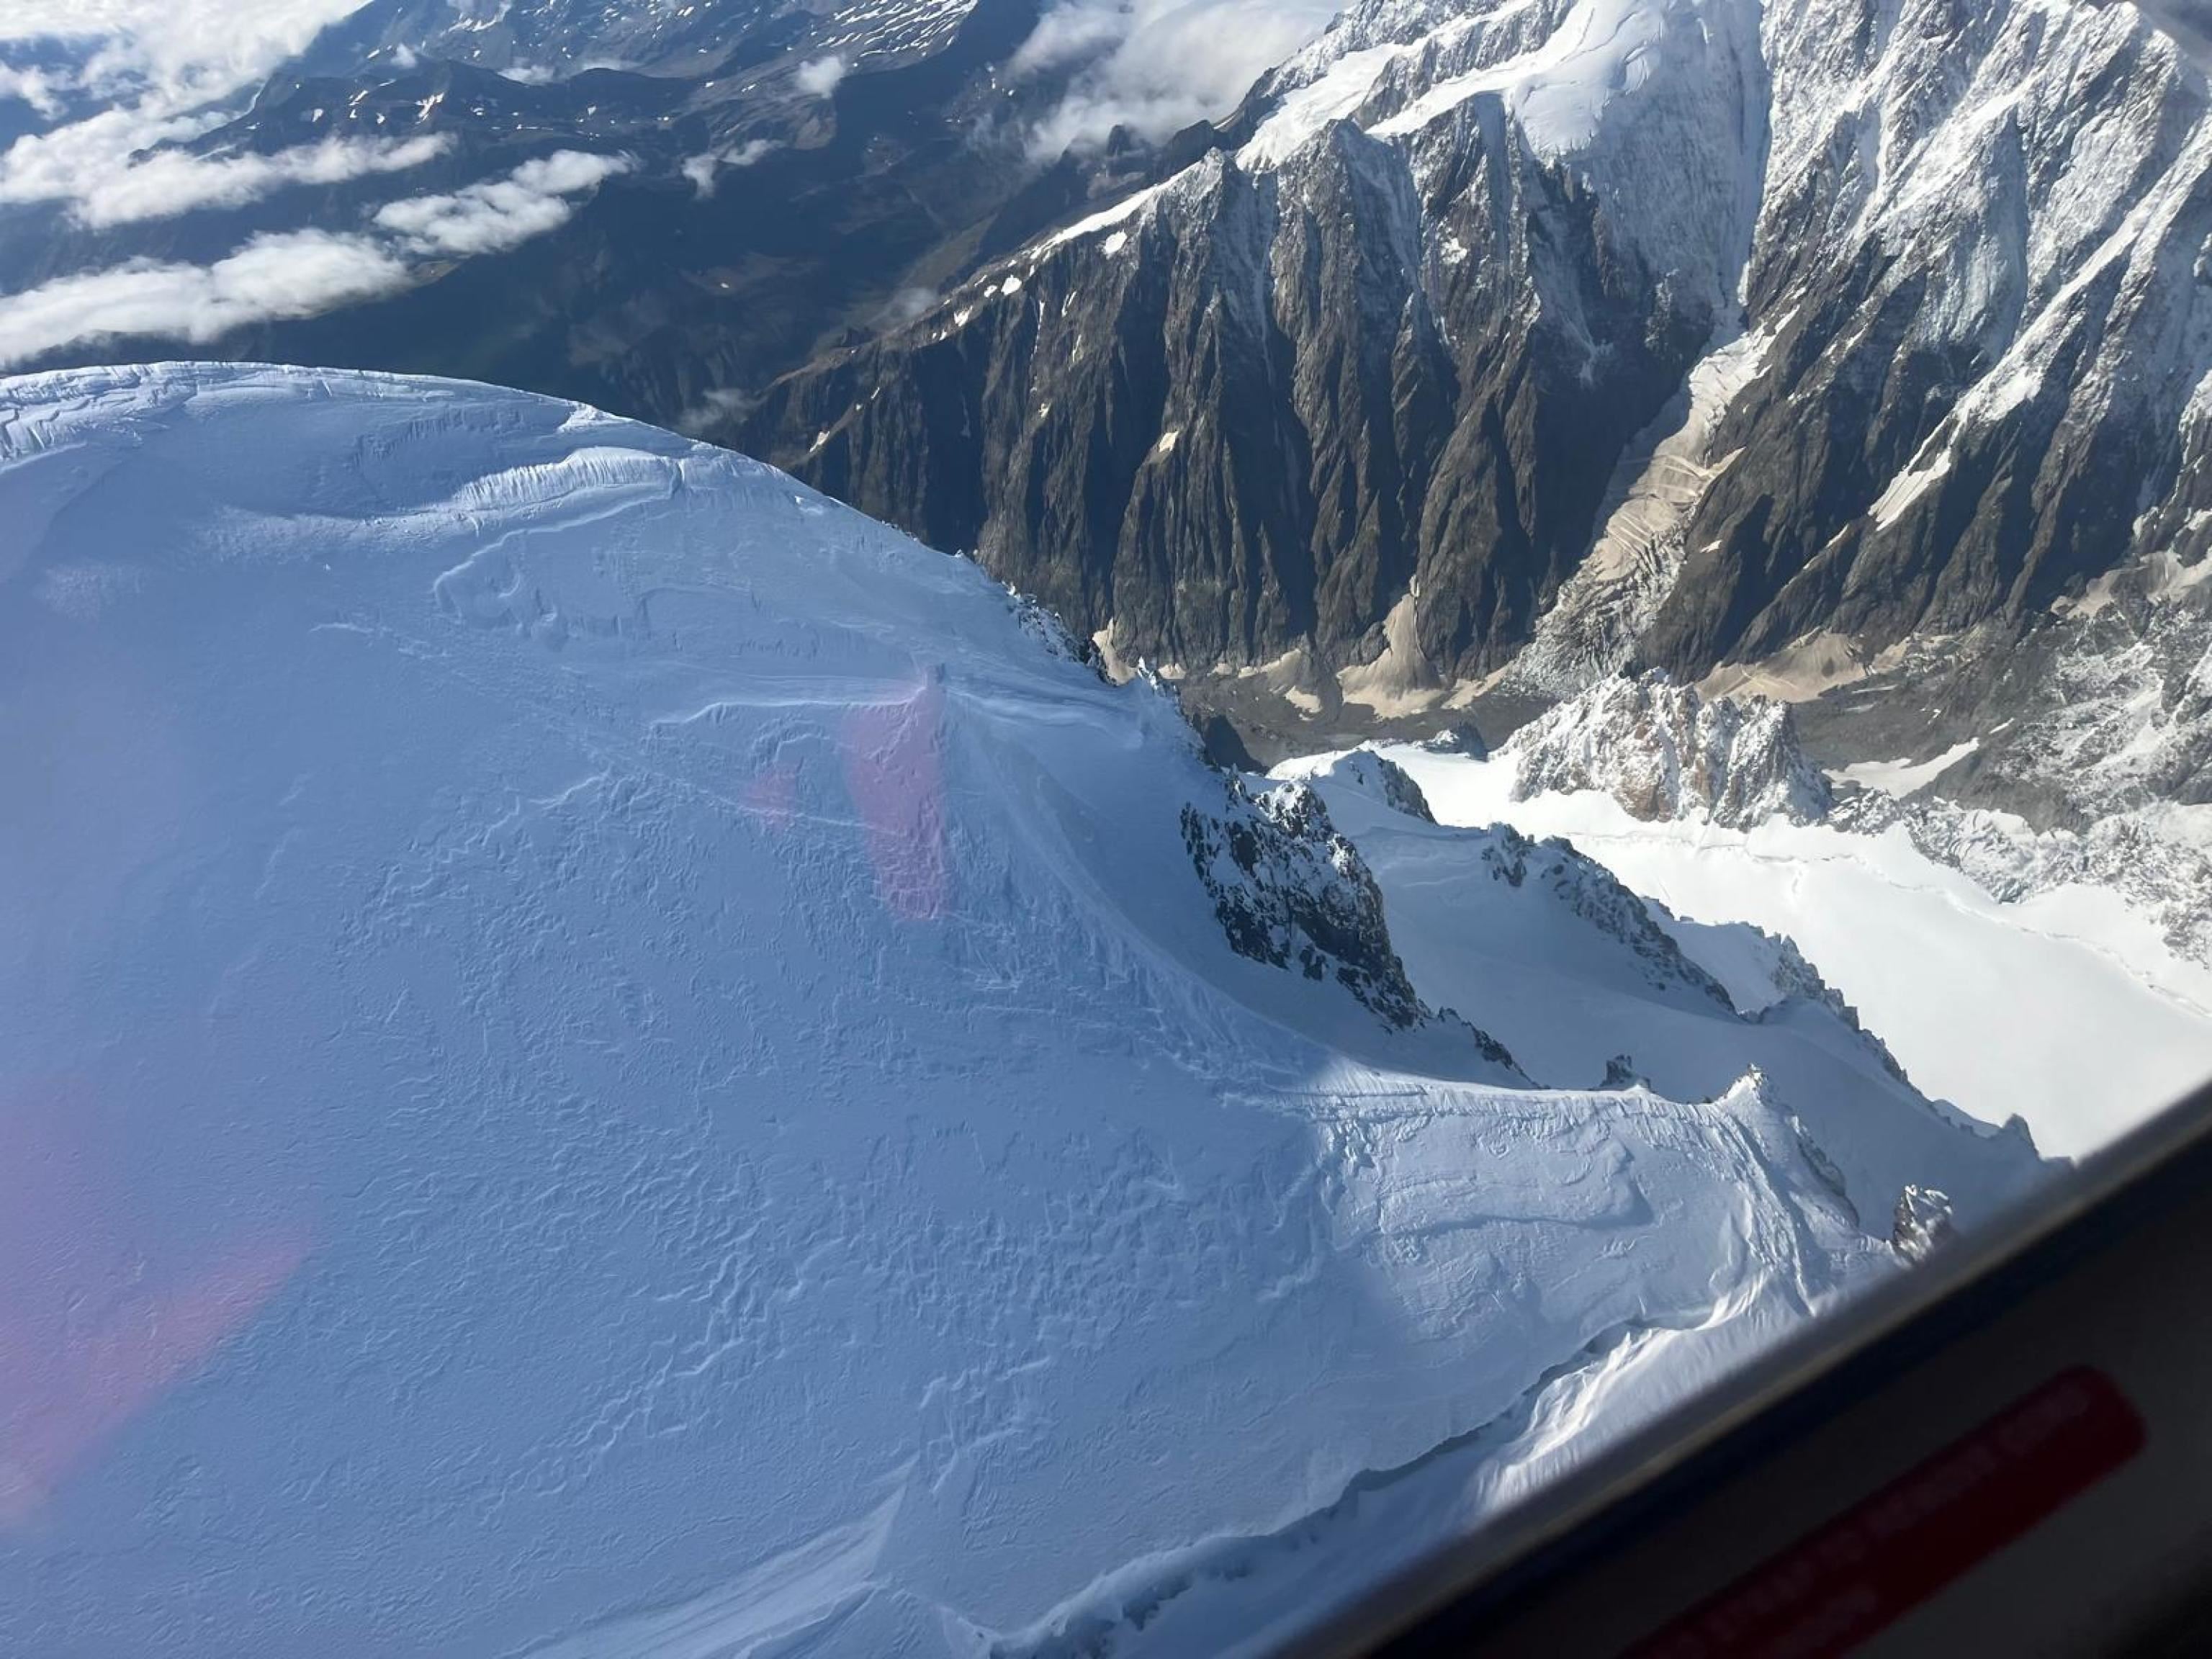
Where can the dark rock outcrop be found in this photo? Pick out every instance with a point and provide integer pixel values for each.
(1290, 891)
(1263, 411)
(1922, 1223)
(1365, 390)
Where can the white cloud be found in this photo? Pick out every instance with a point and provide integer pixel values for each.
(174, 54)
(163, 66)
(84, 157)
(819, 78)
(1158, 65)
(33, 87)
(1070, 33)
(701, 170)
(97, 166)
(172, 70)
(908, 304)
(270, 278)
(720, 404)
(501, 213)
(301, 273)
(545, 75)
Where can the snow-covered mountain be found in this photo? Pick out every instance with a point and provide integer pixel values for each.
(1499, 346)
(2109, 748)
(2080, 754)
(1792, 346)
(559, 38)
(599, 1050)
(1487, 348)
(1584, 979)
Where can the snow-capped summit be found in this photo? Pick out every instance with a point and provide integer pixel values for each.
(1379, 777)
(593, 1045)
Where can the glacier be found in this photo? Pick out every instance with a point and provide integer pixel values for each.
(601, 1056)
(2064, 999)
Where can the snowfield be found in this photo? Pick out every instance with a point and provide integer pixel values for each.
(2070, 1007)
(599, 1055)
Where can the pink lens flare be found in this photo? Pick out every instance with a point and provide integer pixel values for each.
(773, 796)
(895, 772)
(94, 1326)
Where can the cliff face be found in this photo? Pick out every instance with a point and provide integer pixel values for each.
(1666, 334)
(1337, 370)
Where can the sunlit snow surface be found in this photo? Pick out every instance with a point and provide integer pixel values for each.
(2068, 1007)
(598, 1056)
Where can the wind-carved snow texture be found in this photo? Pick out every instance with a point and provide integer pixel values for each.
(1664, 751)
(596, 1050)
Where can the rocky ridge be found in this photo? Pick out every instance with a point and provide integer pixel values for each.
(1290, 891)
(1521, 344)
(1664, 751)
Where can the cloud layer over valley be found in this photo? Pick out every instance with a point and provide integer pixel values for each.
(1156, 66)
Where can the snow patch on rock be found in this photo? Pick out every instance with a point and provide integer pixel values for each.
(1665, 752)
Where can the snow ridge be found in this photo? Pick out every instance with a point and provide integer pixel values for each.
(1376, 775)
(1978, 946)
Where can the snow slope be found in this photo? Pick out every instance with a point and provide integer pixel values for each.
(1567, 967)
(599, 1055)
(2068, 1006)
(1648, 101)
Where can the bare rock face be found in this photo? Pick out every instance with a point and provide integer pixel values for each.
(1474, 314)
(1547, 339)
(1663, 751)
(1291, 386)
(1922, 1223)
